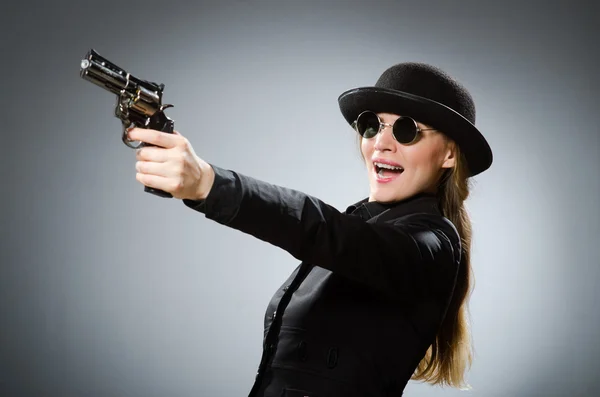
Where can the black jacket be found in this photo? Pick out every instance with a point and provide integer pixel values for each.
(359, 312)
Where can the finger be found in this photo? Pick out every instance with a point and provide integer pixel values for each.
(153, 137)
(156, 154)
(155, 181)
(152, 168)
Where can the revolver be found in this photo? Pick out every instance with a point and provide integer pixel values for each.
(139, 102)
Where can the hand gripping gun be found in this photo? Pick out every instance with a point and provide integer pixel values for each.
(139, 102)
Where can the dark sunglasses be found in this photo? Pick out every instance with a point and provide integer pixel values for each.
(404, 129)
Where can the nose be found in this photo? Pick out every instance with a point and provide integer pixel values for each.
(384, 140)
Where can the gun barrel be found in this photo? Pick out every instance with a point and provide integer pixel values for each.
(103, 73)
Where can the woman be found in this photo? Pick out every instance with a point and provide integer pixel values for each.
(381, 292)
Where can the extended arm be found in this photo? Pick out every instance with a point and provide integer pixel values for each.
(405, 257)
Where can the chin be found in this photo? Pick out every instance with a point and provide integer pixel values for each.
(386, 195)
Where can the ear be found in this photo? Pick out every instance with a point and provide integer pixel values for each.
(449, 156)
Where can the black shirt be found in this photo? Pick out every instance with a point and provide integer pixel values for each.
(360, 310)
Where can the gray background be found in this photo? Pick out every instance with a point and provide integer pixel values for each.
(109, 291)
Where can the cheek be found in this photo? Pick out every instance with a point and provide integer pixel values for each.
(419, 158)
(366, 148)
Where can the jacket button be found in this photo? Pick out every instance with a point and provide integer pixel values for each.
(302, 351)
(274, 314)
(332, 357)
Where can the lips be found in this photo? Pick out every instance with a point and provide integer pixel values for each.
(386, 169)
(385, 175)
(386, 161)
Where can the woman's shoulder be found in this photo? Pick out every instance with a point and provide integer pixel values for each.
(426, 220)
(433, 228)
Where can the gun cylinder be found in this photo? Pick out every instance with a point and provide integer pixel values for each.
(145, 101)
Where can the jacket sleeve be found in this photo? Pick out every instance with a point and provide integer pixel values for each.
(411, 257)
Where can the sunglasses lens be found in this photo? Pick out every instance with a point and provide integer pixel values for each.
(367, 124)
(405, 130)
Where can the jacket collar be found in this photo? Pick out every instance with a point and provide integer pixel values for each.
(374, 210)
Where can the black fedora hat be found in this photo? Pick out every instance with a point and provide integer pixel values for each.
(430, 96)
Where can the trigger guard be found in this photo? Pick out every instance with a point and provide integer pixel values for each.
(128, 141)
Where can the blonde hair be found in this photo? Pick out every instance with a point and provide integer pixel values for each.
(450, 354)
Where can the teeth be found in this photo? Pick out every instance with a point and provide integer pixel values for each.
(389, 167)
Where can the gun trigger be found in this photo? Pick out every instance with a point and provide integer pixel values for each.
(125, 137)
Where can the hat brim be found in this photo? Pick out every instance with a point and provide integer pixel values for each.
(474, 146)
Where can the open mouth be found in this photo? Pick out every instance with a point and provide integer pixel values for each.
(386, 171)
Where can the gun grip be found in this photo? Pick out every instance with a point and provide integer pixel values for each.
(159, 121)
